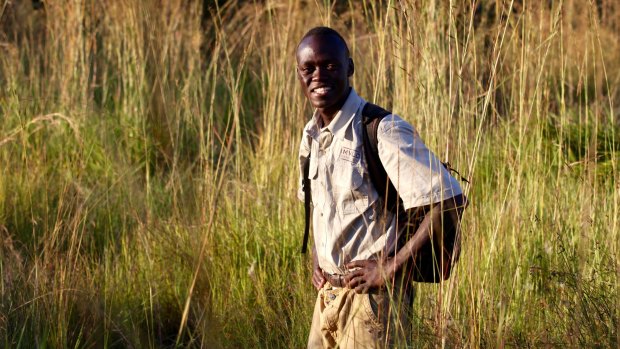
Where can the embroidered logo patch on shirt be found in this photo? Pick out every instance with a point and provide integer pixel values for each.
(350, 155)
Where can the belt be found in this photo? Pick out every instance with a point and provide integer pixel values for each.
(336, 280)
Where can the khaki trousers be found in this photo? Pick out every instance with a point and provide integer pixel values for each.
(345, 319)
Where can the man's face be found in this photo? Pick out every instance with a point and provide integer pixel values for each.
(323, 69)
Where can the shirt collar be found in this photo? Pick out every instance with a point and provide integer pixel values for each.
(341, 120)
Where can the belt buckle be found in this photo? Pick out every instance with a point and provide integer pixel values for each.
(337, 279)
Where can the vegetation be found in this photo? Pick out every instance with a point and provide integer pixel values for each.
(148, 167)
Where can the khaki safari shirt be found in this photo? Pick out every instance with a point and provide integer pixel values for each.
(347, 218)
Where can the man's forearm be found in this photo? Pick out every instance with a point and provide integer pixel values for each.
(413, 245)
(431, 224)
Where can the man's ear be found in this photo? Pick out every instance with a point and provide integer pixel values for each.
(351, 67)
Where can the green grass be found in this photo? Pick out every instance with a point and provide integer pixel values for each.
(148, 168)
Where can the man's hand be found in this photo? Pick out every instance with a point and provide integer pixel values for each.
(318, 280)
(371, 274)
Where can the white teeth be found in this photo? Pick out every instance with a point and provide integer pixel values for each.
(321, 90)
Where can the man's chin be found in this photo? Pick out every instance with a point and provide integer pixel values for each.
(321, 104)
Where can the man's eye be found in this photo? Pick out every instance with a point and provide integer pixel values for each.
(332, 67)
(306, 70)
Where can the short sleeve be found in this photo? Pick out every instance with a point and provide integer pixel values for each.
(415, 171)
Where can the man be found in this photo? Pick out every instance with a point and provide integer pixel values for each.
(358, 258)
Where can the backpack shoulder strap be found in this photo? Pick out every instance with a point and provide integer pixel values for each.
(371, 117)
(307, 202)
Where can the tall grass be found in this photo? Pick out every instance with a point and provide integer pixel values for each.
(148, 167)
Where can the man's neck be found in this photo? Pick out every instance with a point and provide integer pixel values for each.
(325, 119)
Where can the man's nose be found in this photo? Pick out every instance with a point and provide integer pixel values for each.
(319, 73)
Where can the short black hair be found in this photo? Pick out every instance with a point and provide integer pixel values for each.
(325, 31)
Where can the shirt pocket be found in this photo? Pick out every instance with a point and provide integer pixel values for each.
(349, 184)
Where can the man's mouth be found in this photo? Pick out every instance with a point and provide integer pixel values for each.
(321, 91)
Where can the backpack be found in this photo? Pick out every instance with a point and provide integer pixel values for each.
(435, 259)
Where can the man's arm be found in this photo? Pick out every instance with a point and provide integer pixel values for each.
(374, 273)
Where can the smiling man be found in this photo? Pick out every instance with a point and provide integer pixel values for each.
(359, 255)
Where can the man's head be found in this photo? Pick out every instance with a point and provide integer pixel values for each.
(323, 68)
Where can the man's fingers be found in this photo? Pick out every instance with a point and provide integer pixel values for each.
(361, 285)
(318, 279)
(318, 283)
(356, 281)
(351, 275)
(357, 264)
(361, 289)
